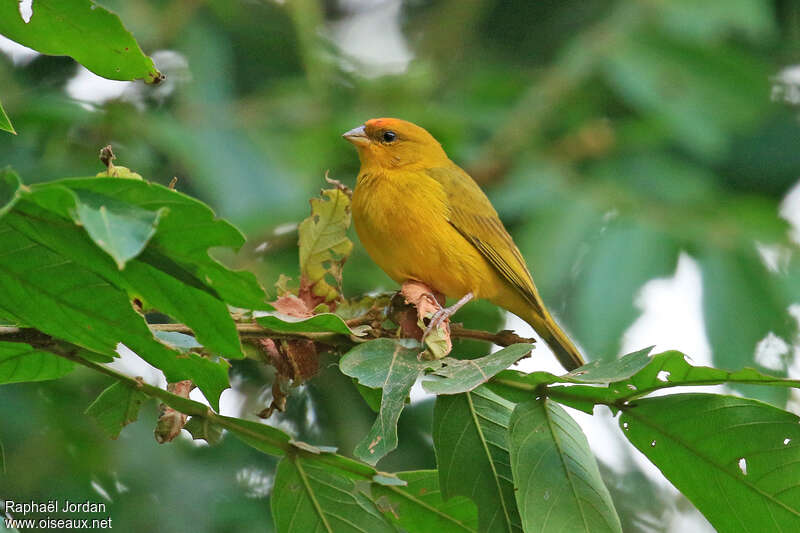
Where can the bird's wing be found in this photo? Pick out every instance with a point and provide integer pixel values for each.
(475, 218)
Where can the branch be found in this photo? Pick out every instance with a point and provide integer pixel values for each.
(248, 331)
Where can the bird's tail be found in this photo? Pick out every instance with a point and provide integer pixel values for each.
(566, 352)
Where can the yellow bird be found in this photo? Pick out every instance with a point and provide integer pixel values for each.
(422, 218)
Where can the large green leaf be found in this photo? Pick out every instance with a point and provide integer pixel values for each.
(116, 407)
(21, 362)
(61, 27)
(311, 496)
(181, 297)
(54, 294)
(185, 233)
(462, 375)
(393, 367)
(558, 485)
(418, 507)
(737, 460)
(5, 123)
(470, 435)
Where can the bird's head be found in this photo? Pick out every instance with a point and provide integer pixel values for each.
(395, 143)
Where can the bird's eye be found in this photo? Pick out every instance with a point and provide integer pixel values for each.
(389, 136)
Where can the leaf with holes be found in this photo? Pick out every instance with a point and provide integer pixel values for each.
(663, 370)
(323, 241)
(557, 481)
(60, 27)
(393, 367)
(462, 375)
(116, 407)
(737, 460)
(418, 507)
(313, 496)
(470, 435)
(20, 362)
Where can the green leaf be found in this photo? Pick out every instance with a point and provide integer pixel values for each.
(391, 366)
(2, 458)
(310, 496)
(737, 460)
(5, 123)
(698, 19)
(557, 481)
(596, 372)
(625, 257)
(742, 303)
(321, 323)
(179, 341)
(202, 428)
(464, 375)
(418, 507)
(120, 229)
(371, 396)
(20, 362)
(116, 407)
(664, 370)
(262, 437)
(60, 28)
(323, 241)
(78, 306)
(470, 435)
(185, 233)
(713, 89)
(177, 294)
(9, 190)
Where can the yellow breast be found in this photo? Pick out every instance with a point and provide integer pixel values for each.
(401, 218)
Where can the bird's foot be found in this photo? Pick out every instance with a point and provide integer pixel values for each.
(444, 314)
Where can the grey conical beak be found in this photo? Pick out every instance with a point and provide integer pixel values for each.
(356, 136)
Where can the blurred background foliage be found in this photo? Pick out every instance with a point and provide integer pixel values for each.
(611, 137)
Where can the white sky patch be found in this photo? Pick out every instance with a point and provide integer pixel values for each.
(770, 352)
(88, 87)
(20, 55)
(790, 208)
(672, 315)
(774, 256)
(372, 37)
(743, 465)
(786, 85)
(131, 364)
(26, 10)
(256, 482)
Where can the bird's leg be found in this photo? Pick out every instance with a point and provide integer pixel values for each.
(446, 312)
